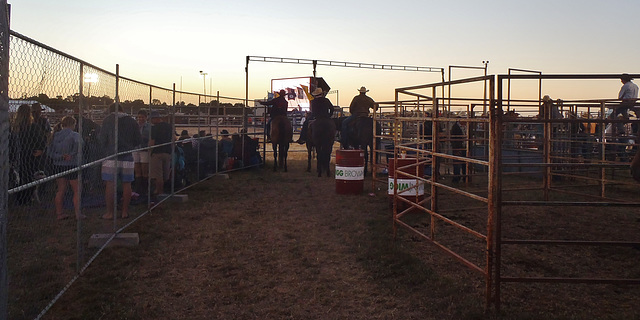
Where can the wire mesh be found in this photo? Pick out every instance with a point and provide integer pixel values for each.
(72, 174)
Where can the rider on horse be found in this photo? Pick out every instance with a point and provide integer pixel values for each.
(359, 107)
(321, 107)
(278, 107)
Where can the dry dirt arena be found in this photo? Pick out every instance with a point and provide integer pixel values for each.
(275, 245)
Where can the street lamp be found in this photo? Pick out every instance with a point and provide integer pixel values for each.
(204, 82)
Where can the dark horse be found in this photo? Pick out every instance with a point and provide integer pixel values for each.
(635, 167)
(322, 132)
(360, 136)
(635, 164)
(281, 136)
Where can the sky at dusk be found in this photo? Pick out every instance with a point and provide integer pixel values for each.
(164, 42)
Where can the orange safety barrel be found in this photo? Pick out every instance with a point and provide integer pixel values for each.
(404, 183)
(349, 171)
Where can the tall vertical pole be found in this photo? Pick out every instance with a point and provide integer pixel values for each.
(5, 14)
(148, 151)
(315, 63)
(495, 194)
(115, 149)
(494, 197)
(172, 112)
(435, 162)
(78, 208)
(246, 99)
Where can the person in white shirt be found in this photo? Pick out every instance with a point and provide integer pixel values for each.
(628, 95)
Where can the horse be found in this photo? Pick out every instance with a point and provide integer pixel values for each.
(281, 136)
(322, 133)
(635, 167)
(635, 163)
(360, 136)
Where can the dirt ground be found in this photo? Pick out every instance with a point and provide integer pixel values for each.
(265, 245)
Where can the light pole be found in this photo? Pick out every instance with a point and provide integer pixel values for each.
(90, 78)
(204, 82)
(337, 96)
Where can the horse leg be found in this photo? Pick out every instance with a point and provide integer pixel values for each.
(319, 160)
(635, 166)
(283, 154)
(308, 157)
(275, 157)
(327, 161)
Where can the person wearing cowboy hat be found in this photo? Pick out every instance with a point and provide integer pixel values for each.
(628, 94)
(321, 107)
(278, 106)
(359, 107)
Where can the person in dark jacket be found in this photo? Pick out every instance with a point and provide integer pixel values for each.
(27, 145)
(141, 157)
(160, 161)
(120, 169)
(321, 107)
(278, 107)
(63, 151)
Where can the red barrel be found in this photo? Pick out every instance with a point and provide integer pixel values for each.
(349, 171)
(403, 183)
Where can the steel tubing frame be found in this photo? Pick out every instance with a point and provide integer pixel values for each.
(495, 163)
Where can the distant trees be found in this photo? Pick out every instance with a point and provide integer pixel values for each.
(71, 102)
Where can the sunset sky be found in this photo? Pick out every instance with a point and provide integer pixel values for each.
(164, 42)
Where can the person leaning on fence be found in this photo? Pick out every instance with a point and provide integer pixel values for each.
(359, 107)
(121, 170)
(141, 157)
(63, 152)
(278, 107)
(160, 163)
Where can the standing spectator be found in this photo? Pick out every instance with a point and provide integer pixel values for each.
(184, 135)
(63, 151)
(43, 127)
(278, 107)
(91, 150)
(40, 121)
(359, 107)
(161, 135)
(141, 157)
(120, 169)
(27, 147)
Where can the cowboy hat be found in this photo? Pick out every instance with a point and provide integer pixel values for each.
(363, 89)
(317, 92)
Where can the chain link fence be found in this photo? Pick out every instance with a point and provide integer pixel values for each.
(87, 152)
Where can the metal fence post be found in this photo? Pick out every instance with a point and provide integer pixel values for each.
(4, 154)
(78, 208)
